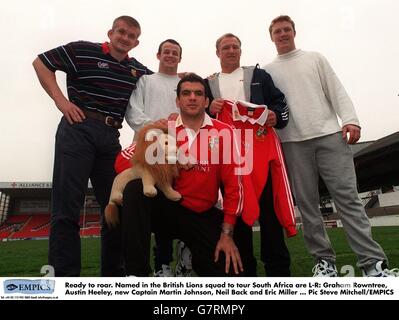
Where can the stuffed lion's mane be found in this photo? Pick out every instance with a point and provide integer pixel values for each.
(160, 173)
(164, 172)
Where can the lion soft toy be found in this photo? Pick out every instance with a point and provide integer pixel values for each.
(151, 146)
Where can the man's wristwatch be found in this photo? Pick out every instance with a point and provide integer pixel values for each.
(227, 231)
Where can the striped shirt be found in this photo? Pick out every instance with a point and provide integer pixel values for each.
(95, 80)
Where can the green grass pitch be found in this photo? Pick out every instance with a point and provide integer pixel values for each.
(25, 258)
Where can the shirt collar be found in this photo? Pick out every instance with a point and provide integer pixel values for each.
(106, 50)
(207, 122)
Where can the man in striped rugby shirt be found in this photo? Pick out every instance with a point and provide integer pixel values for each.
(100, 79)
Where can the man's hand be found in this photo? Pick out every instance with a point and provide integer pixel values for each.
(181, 74)
(187, 166)
(354, 133)
(162, 123)
(216, 106)
(173, 116)
(227, 245)
(271, 120)
(71, 112)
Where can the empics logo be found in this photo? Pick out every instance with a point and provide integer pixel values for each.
(11, 287)
(29, 286)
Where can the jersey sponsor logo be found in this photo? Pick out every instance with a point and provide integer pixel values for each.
(103, 65)
(213, 142)
(260, 133)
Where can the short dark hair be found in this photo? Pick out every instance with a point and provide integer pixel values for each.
(172, 42)
(130, 21)
(190, 77)
(226, 35)
(280, 19)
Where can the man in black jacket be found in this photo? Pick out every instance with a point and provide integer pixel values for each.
(256, 86)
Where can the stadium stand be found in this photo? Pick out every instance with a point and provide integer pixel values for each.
(37, 226)
(32, 228)
(4, 204)
(25, 212)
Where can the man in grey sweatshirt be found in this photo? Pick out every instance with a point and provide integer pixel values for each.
(314, 143)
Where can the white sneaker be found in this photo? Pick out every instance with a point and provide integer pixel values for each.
(324, 268)
(183, 266)
(380, 270)
(166, 271)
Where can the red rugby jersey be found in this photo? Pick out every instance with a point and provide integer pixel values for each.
(216, 166)
(262, 152)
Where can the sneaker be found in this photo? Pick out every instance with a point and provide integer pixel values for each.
(380, 270)
(166, 271)
(324, 268)
(183, 266)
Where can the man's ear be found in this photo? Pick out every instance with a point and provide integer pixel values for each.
(217, 53)
(136, 43)
(109, 33)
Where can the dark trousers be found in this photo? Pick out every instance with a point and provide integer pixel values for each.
(274, 252)
(163, 252)
(170, 220)
(83, 151)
